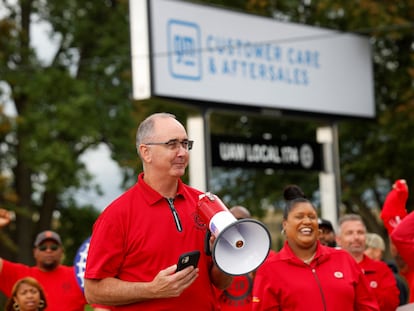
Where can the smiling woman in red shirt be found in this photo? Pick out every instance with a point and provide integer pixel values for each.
(306, 275)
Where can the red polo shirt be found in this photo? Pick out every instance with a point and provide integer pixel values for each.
(136, 236)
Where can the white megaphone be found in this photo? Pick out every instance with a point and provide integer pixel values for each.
(241, 246)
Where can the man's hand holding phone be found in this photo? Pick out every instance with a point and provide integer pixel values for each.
(188, 259)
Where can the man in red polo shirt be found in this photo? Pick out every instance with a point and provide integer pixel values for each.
(58, 281)
(352, 238)
(138, 238)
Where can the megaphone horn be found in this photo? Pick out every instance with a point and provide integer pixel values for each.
(241, 246)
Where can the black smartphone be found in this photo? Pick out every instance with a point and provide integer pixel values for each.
(188, 259)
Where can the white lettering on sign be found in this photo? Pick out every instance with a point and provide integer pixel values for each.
(258, 153)
(232, 152)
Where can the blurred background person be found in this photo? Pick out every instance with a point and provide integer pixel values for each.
(375, 249)
(392, 214)
(27, 295)
(375, 246)
(59, 281)
(326, 233)
(352, 238)
(403, 239)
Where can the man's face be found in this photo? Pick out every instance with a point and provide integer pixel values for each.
(48, 255)
(352, 237)
(167, 161)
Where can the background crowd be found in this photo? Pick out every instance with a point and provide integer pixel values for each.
(136, 241)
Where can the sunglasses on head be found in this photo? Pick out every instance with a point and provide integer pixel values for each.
(52, 247)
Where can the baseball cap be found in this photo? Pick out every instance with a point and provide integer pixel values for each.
(47, 235)
(324, 223)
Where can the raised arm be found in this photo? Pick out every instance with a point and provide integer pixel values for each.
(393, 210)
(403, 239)
(5, 218)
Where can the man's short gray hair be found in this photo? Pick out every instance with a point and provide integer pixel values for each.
(145, 130)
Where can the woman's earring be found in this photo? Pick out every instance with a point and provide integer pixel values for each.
(41, 303)
(16, 306)
(283, 232)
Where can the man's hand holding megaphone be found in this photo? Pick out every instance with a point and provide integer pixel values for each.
(237, 246)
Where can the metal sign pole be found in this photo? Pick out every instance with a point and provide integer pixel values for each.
(328, 178)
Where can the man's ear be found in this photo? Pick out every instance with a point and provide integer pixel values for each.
(145, 153)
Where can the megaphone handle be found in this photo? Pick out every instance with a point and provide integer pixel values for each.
(207, 243)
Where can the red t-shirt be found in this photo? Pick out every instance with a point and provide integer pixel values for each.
(61, 288)
(136, 236)
(381, 279)
(403, 239)
(238, 296)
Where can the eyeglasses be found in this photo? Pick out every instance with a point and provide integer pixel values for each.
(174, 144)
(52, 247)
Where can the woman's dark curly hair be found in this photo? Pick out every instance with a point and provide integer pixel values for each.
(293, 194)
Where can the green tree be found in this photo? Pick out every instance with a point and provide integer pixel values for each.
(80, 98)
(74, 101)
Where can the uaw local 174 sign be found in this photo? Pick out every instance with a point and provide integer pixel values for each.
(205, 55)
(260, 153)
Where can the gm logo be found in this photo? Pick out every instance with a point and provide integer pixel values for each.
(184, 44)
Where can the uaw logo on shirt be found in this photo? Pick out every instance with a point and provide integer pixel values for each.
(239, 293)
(184, 44)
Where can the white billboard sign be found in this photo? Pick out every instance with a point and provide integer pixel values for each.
(187, 51)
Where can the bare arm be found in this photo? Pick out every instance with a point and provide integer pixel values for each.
(113, 291)
(220, 279)
(5, 218)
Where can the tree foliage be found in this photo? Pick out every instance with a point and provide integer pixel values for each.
(373, 153)
(73, 101)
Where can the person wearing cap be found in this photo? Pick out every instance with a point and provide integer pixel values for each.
(326, 233)
(59, 281)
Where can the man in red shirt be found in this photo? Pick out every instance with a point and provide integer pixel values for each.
(138, 238)
(352, 238)
(58, 281)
